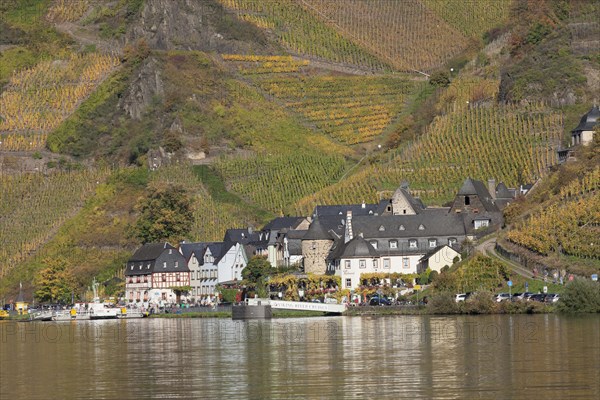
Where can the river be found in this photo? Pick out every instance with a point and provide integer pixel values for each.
(423, 357)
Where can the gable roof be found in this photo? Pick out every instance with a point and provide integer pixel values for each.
(435, 251)
(283, 222)
(589, 120)
(198, 249)
(416, 204)
(472, 187)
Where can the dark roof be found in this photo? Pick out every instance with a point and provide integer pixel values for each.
(283, 222)
(341, 210)
(316, 231)
(472, 187)
(589, 120)
(502, 192)
(431, 222)
(187, 249)
(225, 246)
(357, 247)
(149, 252)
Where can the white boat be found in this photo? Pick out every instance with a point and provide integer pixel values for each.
(131, 313)
(102, 311)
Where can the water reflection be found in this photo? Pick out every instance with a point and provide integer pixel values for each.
(545, 356)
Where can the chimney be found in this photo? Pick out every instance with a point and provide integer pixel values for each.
(492, 187)
(348, 232)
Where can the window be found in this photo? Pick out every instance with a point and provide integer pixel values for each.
(178, 278)
(432, 242)
(421, 227)
(412, 244)
(131, 295)
(374, 244)
(314, 245)
(164, 277)
(347, 264)
(165, 264)
(375, 263)
(140, 267)
(481, 223)
(138, 280)
(467, 200)
(381, 228)
(348, 282)
(145, 278)
(393, 244)
(170, 251)
(362, 264)
(132, 267)
(451, 242)
(401, 228)
(405, 262)
(386, 263)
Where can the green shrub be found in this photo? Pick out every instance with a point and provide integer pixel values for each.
(480, 303)
(442, 303)
(580, 296)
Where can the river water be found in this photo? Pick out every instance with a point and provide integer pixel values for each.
(447, 357)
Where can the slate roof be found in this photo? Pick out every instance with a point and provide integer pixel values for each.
(316, 231)
(283, 222)
(435, 222)
(472, 187)
(187, 249)
(589, 120)
(341, 210)
(502, 192)
(149, 251)
(357, 247)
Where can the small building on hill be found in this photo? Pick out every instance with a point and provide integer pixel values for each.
(584, 132)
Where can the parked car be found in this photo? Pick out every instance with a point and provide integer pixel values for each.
(537, 297)
(551, 298)
(502, 297)
(330, 300)
(379, 301)
(462, 296)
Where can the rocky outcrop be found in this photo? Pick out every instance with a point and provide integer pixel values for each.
(195, 25)
(144, 87)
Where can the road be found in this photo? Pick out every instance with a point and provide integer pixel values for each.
(488, 248)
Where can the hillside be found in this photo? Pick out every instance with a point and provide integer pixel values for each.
(268, 108)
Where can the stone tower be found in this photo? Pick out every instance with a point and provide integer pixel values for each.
(316, 244)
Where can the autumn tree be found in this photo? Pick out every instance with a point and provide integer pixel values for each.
(55, 283)
(164, 215)
(257, 272)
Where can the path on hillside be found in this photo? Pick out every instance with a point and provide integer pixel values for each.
(488, 248)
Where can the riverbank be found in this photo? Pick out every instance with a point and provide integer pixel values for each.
(227, 314)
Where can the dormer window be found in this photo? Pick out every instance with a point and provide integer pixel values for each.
(370, 212)
(374, 244)
(401, 228)
(140, 267)
(132, 267)
(421, 227)
(393, 244)
(170, 251)
(412, 243)
(165, 264)
(432, 243)
(381, 228)
(176, 264)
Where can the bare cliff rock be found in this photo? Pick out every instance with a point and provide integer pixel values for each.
(145, 86)
(196, 25)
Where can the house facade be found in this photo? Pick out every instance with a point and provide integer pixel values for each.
(152, 272)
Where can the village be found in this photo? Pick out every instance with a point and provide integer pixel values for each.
(396, 237)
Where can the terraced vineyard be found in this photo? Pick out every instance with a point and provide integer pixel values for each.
(471, 18)
(405, 33)
(252, 64)
(571, 228)
(465, 91)
(37, 100)
(350, 109)
(302, 33)
(276, 182)
(509, 143)
(44, 203)
(211, 218)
